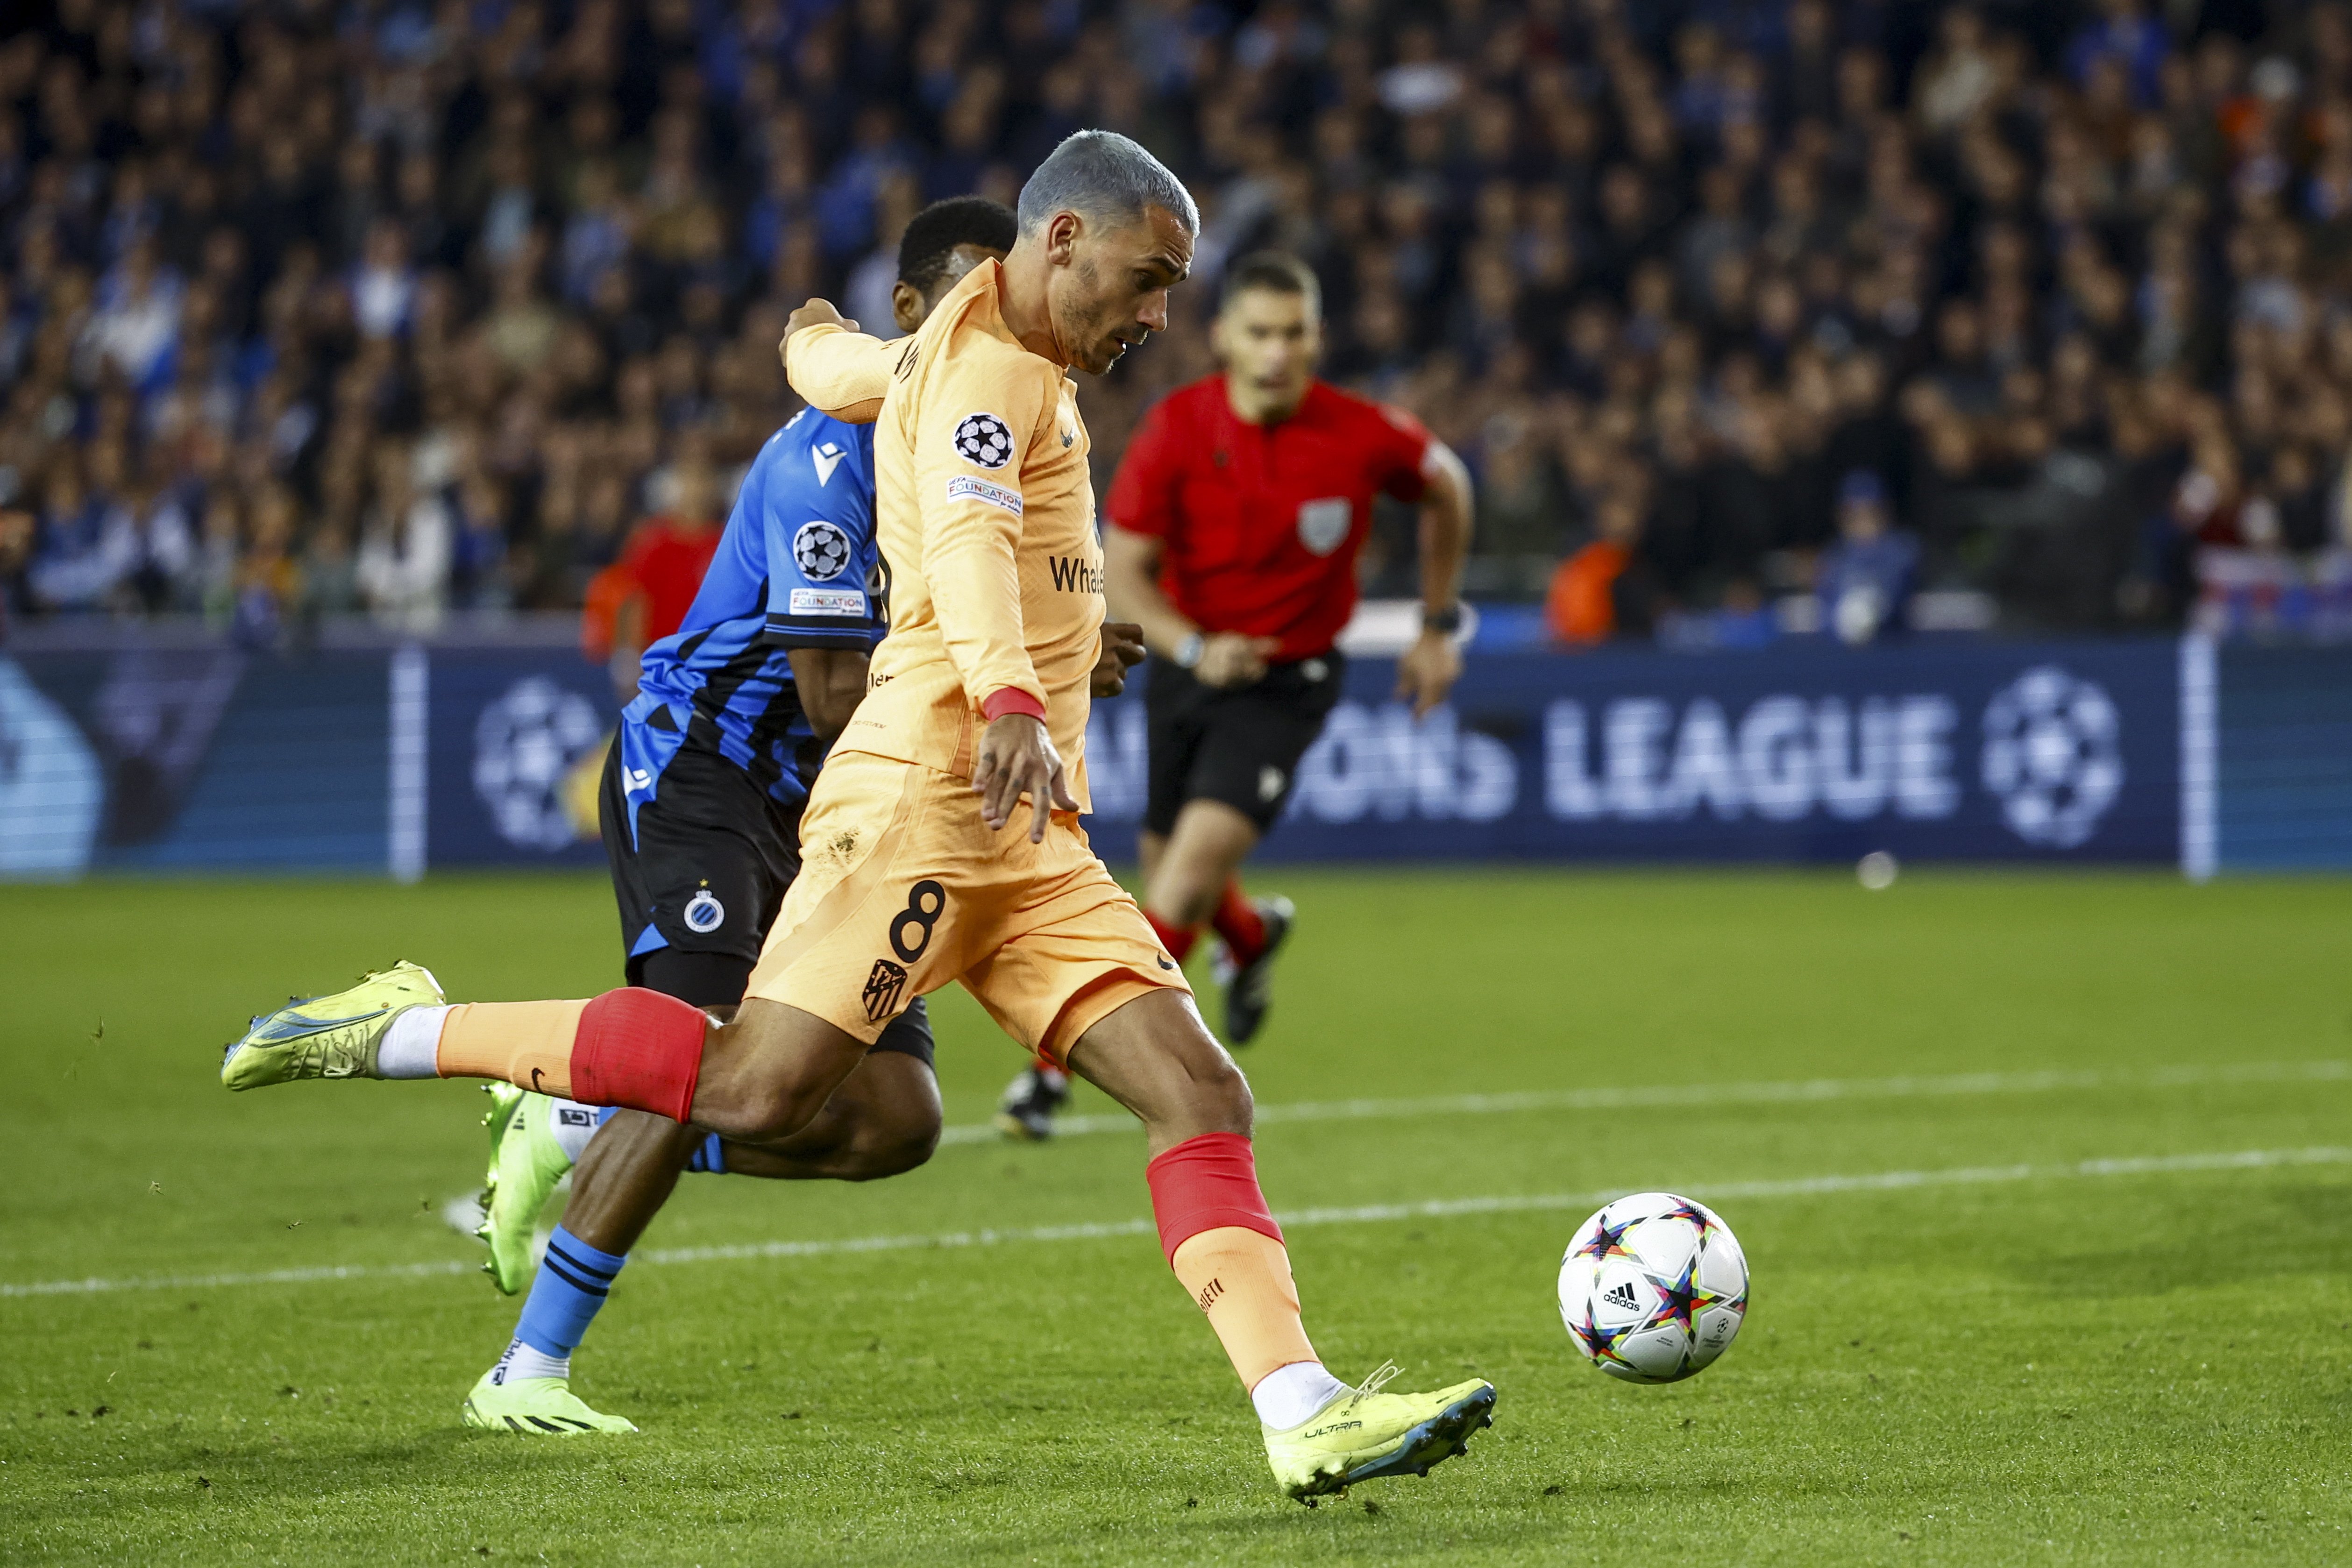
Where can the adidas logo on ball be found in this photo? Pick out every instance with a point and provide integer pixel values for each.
(1622, 1296)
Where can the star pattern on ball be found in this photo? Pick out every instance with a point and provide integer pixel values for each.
(1673, 1304)
(1684, 1297)
(1607, 1240)
(1687, 1212)
(1599, 1345)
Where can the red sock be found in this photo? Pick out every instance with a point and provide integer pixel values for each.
(1176, 939)
(640, 1049)
(1225, 1246)
(1205, 1183)
(632, 1047)
(1239, 923)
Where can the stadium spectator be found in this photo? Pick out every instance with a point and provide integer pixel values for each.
(2054, 262)
(1868, 575)
(643, 597)
(18, 530)
(1605, 590)
(402, 567)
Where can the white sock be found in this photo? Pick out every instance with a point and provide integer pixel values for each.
(573, 1124)
(520, 1362)
(1289, 1395)
(412, 1046)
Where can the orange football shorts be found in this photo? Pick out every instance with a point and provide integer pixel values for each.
(903, 888)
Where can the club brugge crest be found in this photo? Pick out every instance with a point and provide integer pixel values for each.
(1323, 525)
(705, 914)
(882, 989)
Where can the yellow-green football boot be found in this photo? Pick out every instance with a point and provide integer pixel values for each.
(328, 1037)
(526, 1162)
(536, 1408)
(1364, 1434)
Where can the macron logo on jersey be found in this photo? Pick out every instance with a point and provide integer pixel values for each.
(827, 458)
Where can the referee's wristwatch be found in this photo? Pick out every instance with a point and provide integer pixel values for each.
(1188, 652)
(1447, 621)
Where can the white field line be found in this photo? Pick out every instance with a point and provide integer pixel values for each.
(1798, 1091)
(1437, 1209)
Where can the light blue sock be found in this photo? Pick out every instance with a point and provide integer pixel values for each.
(573, 1281)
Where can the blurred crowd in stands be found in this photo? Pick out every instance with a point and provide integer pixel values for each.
(1748, 315)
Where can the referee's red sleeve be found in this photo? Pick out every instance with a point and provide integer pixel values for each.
(1408, 444)
(1141, 497)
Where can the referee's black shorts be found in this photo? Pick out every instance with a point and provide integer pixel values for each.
(1237, 744)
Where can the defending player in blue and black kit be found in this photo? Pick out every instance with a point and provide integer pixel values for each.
(706, 780)
(702, 801)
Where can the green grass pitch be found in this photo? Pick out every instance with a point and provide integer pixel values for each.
(2074, 1339)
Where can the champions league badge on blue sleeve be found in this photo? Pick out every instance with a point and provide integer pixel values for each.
(821, 550)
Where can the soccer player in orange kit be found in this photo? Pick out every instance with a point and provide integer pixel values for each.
(909, 881)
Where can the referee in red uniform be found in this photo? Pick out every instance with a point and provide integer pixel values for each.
(1234, 525)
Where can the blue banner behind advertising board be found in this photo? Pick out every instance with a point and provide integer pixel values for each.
(147, 757)
(2284, 746)
(141, 754)
(2046, 751)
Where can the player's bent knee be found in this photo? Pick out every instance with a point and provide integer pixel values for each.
(1222, 1094)
(897, 1119)
(769, 1072)
(1157, 1058)
(893, 1150)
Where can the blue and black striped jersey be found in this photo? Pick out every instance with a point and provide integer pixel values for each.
(797, 567)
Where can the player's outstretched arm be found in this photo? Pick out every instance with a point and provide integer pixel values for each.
(833, 366)
(1427, 672)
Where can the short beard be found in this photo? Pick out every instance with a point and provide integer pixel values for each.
(1081, 342)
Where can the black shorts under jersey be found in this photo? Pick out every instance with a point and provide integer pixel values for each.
(707, 872)
(1237, 744)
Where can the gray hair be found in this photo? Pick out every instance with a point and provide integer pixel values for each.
(1105, 176)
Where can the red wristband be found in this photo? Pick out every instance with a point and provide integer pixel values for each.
(1012, 699)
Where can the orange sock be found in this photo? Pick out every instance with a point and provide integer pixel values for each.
(1223, 1242)
(527, 1044)
(630, 1047)
(1241, 1278)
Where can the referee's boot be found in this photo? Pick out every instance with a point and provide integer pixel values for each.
(1249, 987)
(1026, 1112)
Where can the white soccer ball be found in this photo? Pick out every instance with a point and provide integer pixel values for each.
(1654, 1288)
